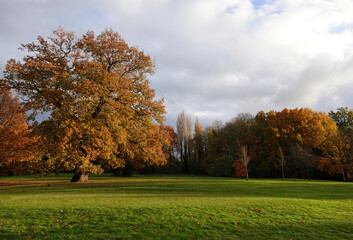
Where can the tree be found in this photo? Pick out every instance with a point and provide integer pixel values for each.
(304, 159)
(17, 143)
(341, 161)
(216, 163)
(245, 158)
(243, 138)
(282, 160)
(172, 149)
(184, 130)
(239, 169)
(343, 118)
(233, 131)
(302, 132)
(102, 111)
(198, 148)
(342, 151)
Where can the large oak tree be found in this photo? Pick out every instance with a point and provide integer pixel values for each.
(95, 90)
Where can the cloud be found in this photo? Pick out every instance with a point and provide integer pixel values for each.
(215, 58)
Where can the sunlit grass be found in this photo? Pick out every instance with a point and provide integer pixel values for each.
(174, 207)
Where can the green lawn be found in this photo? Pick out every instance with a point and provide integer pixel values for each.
(174, 207)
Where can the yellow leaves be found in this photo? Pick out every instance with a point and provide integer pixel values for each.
(299, 125)
(300, 130)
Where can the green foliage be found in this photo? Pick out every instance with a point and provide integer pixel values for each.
(343, 117)
(174, 207)
(218, 166)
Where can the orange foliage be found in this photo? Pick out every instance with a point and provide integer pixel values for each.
(239, 169)
(171, 146)
(298, 129)
(341, 151)
(96, 90)
(17, 146)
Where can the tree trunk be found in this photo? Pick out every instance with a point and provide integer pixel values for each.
(344, 176)
(281, 159)
(79, 177)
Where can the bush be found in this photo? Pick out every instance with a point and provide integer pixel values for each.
(218, 166)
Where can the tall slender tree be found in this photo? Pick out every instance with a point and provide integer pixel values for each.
(184, 129)
(282, 160)
(198, 147)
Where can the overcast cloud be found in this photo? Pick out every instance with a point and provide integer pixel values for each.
(215, 58)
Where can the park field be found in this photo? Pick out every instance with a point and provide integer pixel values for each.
(174, 207)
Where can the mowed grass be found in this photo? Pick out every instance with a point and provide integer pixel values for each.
(174, 207)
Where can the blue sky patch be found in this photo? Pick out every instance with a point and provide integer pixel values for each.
(258, 3)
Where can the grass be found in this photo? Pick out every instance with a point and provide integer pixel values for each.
(174, 207)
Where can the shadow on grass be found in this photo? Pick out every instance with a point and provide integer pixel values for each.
(190, 186)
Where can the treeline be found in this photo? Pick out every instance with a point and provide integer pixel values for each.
(295, 143)
(292, 143)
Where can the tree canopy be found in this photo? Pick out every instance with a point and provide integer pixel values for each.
(95, 89)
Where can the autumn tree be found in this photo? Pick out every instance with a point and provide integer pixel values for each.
(342, 162)
(239, 169)
(299, 134)
(95, 89)
(278, 137)
(18, 144)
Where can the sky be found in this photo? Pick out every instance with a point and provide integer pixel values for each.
(214, 58)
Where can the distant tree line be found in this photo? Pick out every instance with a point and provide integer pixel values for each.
(292, 143)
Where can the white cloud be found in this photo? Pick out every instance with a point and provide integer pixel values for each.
(214, 58)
